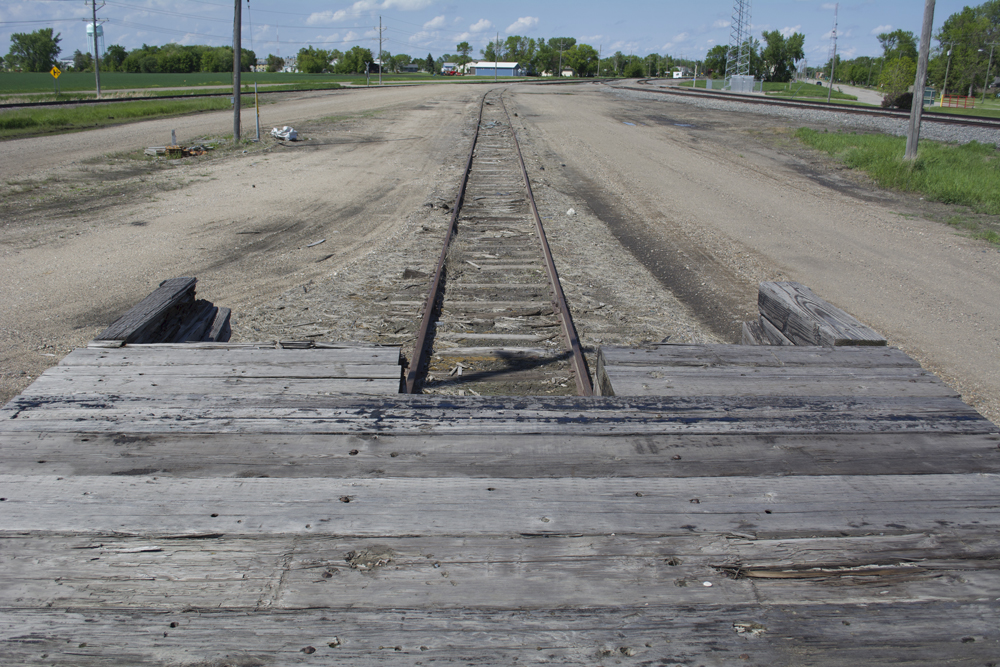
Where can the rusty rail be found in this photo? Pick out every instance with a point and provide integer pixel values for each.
(583, 384)
(420, 347)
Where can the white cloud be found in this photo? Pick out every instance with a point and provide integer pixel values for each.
(406, 5)
(882, 28)
(322, 18)
(362, 6)
(721, 24)
(788, 32)
(435, 23)
(480, 25)
(522, 24)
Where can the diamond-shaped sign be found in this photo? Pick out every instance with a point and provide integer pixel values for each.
(55, 72)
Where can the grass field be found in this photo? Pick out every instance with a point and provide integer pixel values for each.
(967, 174)
(42, 82)
(26, 122)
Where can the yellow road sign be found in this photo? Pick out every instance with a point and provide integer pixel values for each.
(55, 72)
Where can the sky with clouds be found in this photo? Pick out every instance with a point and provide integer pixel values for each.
(418, 27)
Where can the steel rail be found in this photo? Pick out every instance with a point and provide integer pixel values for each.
(930, 116)
(579, 362)
(420, 347)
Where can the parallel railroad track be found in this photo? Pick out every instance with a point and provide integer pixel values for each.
(495, 320)
(646, 86)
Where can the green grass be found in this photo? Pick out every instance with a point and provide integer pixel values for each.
(792, 90)
(42, 82)
(46, 120)
(967, 174)
(975, 229)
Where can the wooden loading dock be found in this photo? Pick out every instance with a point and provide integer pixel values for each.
(224, 504)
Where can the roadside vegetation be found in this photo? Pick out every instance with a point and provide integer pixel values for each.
(49, 120)
(966, 175)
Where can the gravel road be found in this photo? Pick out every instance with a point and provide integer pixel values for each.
(679, 211)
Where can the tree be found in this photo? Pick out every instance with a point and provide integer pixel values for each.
(967, 35)
(716, 59)
(113, 58)
(780, 54)
(464, 49)
(898, 44)
(34, 52)
(315, 61)
(429, 63)
(354, 61)
(582, 58)
(897, 77)
(82, 62)
(275, 63)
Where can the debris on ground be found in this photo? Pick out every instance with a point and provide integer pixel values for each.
(285, 134)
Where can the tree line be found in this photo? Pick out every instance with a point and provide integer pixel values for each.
(39, 51)
(774, 62)
(959, 62)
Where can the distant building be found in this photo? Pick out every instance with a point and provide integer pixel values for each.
(501, 68)
(447, 68)
(681, 73)
(291, 64)
(568, 71)
(412, 68)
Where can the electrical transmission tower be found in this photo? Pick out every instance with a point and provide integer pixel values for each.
(738, 58)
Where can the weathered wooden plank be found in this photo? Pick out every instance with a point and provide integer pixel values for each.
(806, 319)
(637, 415)
(753, 334)
(378, 380)
(490, 455)
(141, 321)
(788, 381)
(287, 572)
(751, 355)
(772, 334)
(917, 633)
(315, 369)
(194, 326)
(763, 507)
(227, 355)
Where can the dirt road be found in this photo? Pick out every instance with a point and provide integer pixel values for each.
(707, 202)
(715, 187)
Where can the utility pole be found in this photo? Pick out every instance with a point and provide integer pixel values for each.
(380, 63)
(833, 59)
(944, 88)
(97, 55)
(986, 82)
(917, 106)
(237, 47)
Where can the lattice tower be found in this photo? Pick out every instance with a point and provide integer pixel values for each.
(738, 60)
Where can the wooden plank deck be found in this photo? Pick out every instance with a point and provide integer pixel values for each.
(252, 509)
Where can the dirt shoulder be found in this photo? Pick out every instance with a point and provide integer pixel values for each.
(738, 197)
(85, 235)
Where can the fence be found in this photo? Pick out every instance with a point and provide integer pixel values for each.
(958, 101)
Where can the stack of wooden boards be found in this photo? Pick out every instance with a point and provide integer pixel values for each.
(150, 517)
(171, 314)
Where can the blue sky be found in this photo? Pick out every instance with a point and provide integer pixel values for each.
(416, 27)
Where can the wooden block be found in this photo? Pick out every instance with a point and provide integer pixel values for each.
(141, 322)
(196, 322)
(219, 331)
(753, 334)
(771, 333)
(806, 319)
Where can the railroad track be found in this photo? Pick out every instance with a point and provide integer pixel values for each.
(495, 319)
(646, 85)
